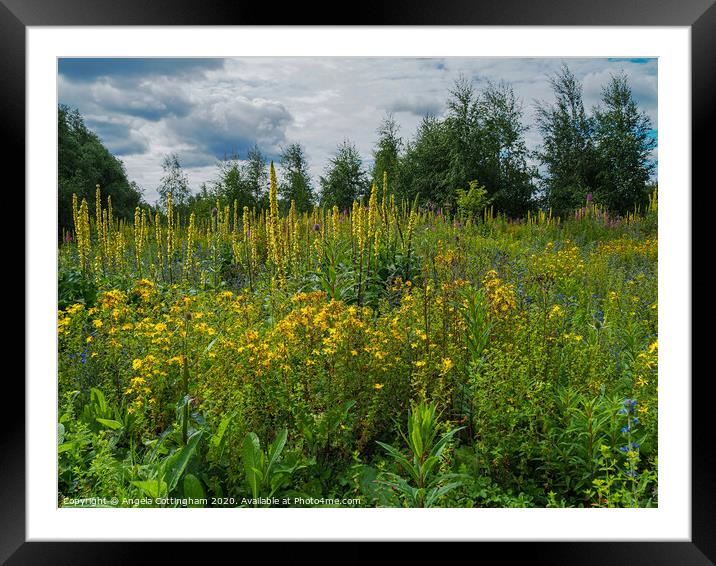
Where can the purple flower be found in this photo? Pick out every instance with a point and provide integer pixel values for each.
(589, 197)
(316, 227)
(68, 237)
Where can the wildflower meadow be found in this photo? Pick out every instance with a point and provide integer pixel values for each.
(385, 354)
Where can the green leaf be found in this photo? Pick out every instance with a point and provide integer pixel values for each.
(275, 449)
(221, 430)
(177, 462)
(402, 460)
(251, 455)
(60, 433)
(109, 423)
(437, 493)
(153, 488)
(97, 397)
(193, 490)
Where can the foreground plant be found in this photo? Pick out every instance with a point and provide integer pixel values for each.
(425, 484)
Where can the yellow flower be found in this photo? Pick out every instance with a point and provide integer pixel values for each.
(378, 386)
(97, 323)
(136, 364)
(420, 363)
(89, 339)
(447, 365)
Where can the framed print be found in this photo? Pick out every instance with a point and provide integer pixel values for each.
(403, 278)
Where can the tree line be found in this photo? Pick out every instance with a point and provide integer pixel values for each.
(475, 153)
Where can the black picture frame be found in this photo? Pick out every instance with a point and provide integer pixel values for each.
(699, 15)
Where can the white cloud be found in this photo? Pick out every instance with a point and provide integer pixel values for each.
(318, 102)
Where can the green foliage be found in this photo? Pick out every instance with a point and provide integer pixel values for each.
(233, 185)
(482, 137)
(471, 202)
(423, 484)
(624, 144)
(174, 182)
(568, 150)
(386, 155)
(83, 163)
(529, 337)
(267, 472)
(345, 179)
(74, 287)
(296, 183)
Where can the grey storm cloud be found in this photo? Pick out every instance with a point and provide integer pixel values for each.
(88, 70)
(221, 126)
(417, 105)
(119, 138)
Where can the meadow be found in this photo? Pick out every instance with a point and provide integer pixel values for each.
(390, 355)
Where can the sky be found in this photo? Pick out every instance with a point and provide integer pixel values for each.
(204, 109)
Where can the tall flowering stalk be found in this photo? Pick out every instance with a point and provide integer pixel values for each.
(98, 211)
(158, 240)
(274, 228)
(110, 215)
(99, 248)
(373, 226)
(75, 214)
(336, 221)
(412, 220)
(293, 233)
(189, 259)
(82, 230)
(392, 226)
(384, 202)
(170, 234)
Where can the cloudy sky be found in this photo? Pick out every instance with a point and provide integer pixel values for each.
(203, 109)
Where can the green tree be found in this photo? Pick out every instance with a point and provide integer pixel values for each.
(83, 163)
(502, 159)
(567, 153)
(296, 181)
(174, 182)
(345, 178)
(425, 166)
(482, 137)
(624, 144)
(256, 175)
(233, 184)
(463, 124)
(386, 154)
(203, 201)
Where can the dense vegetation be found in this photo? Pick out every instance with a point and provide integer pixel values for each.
(391, 356)
(83, 163)
(451, 328)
